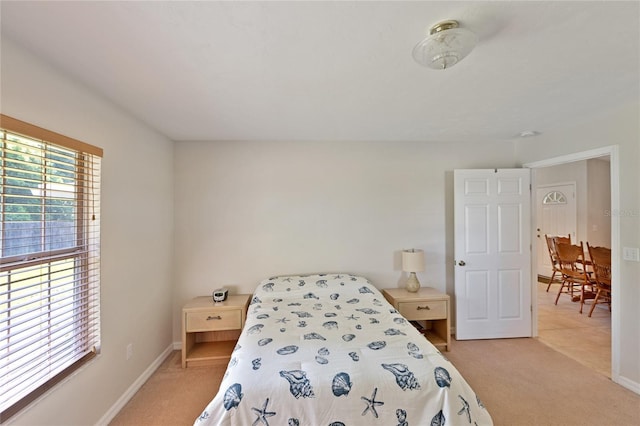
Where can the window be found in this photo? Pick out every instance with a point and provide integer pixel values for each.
(49, 259)
(554, 197)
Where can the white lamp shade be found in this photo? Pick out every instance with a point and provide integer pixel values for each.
(413, 260)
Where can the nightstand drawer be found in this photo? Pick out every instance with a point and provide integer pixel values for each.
(424, 310)
(214, 320)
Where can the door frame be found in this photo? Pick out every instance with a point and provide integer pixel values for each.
(612, 152)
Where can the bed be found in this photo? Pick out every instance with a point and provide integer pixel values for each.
(328, 349)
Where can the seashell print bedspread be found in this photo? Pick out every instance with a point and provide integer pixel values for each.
(329, 350)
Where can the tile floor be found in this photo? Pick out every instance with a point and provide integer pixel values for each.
(562, 327)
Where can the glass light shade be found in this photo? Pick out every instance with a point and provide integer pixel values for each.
(446, 45)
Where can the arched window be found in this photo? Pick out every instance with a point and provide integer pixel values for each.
(554, 197)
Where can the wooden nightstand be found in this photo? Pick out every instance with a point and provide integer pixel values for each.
(210, 330)
(429, 308)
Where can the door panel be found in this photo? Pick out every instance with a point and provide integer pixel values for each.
(477, 289)
(509, 224)
(476, 228)
(510, 289)
(493, 253)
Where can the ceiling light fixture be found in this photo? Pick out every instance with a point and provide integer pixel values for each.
(445, 45)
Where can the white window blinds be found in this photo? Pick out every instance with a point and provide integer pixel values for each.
(49, 259)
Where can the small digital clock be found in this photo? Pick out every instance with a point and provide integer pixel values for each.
(220, 295)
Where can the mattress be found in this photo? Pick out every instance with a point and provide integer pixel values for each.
(328, 349)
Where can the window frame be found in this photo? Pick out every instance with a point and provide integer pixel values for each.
(81, 258)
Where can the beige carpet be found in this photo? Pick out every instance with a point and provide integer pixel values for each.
(521, 382)
(172, 395)
(524, 382)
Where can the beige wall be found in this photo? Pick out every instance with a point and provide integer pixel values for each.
(599, 203)
(249, 210)
(136, 222)
(620, 128)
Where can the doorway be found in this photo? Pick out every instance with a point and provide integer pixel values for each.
(599, 229)
(556, 214)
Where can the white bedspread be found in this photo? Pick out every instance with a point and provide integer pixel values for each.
(329, 350)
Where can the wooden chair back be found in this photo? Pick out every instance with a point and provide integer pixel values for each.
(601, 264)
(551, 249)
(552, 243)
(570, 256)
(553, 254)
(558, 239)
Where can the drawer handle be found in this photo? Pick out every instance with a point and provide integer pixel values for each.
(424, 307)
(218, 317)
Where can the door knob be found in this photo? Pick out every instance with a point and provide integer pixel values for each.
(461, 263)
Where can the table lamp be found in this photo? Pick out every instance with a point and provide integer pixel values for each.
(412, 262)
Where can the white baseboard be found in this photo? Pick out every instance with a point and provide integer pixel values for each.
(629, 384)
(177, 346)
(135, 386)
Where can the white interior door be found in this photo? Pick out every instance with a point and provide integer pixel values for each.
(492, 226)
(556, 215)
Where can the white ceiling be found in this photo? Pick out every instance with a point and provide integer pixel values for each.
(339, 70)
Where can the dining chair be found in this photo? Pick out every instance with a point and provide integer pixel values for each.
(601, 264)
(574, 274)
(553, 255)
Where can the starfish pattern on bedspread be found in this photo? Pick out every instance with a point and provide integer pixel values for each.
(371, 403)
(263, 414)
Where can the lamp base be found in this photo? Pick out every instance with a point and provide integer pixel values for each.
(413, 285)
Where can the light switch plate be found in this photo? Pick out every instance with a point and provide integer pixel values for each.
(631, 253)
